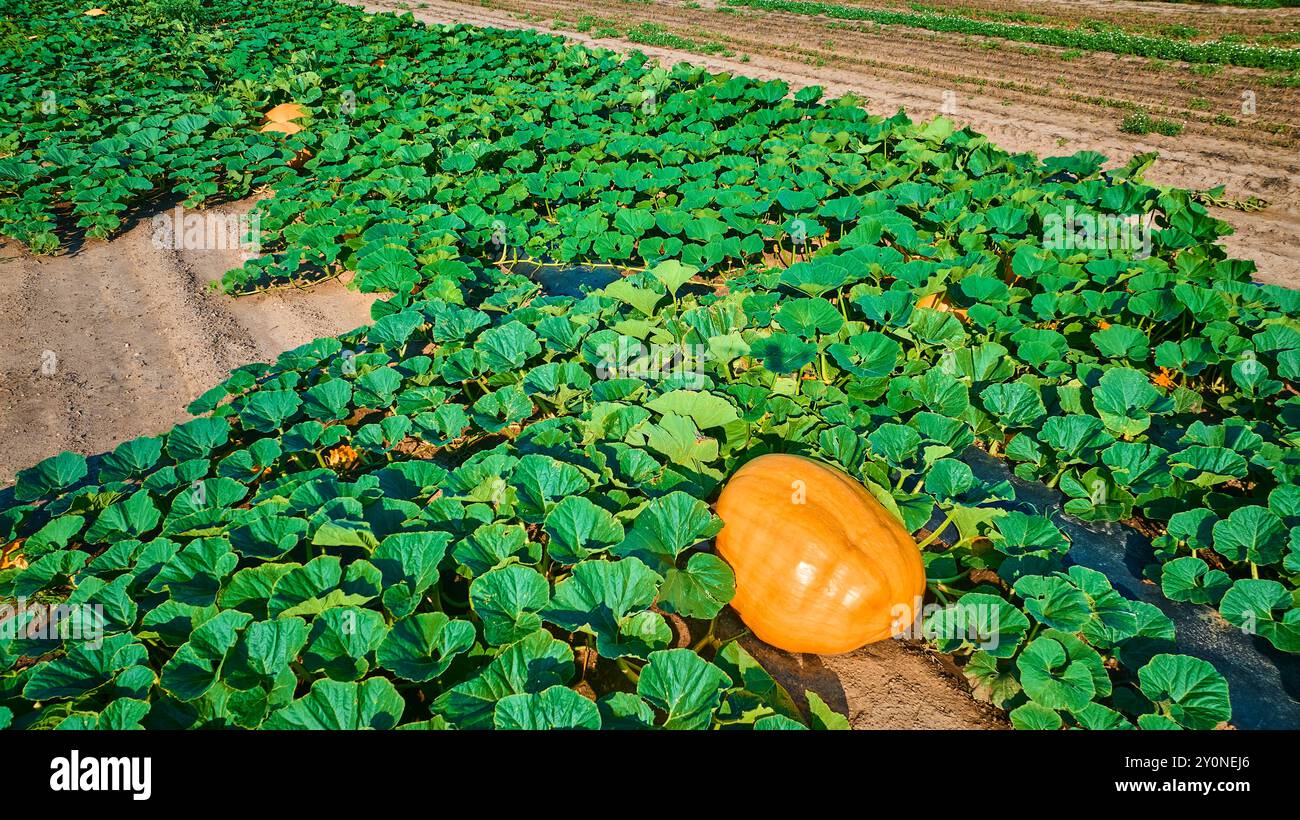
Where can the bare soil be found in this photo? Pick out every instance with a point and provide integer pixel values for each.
(893, 684)
(1197, 22)
(112, 341)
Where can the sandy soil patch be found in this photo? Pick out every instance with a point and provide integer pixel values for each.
(112, 341)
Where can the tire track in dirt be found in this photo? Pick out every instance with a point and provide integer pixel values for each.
(113, 341)
(1270, 237)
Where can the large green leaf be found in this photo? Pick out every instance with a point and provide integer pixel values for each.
(528, 666)
(558, 707)
(684, 687)
(1187, 690)
(507, 601)
(421, 647)
(373, 703)
(611, 600)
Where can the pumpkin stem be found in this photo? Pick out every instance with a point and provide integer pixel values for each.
(586, 656)
(627, 670)
(708, 639)
(929, 539)
(1056, 478)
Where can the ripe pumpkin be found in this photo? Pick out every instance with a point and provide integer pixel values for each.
(821, 566)
(286, 112)
(939, 301)
(281, 127)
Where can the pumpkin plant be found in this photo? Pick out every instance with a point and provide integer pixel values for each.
(499, 476)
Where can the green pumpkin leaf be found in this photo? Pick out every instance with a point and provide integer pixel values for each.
(578, 529)
(1186, 690)
(507, 601)
(197, 665)
(1051, 678)
(422, 647)
(1035, 717)
(373, 703)
(1253, 534)
(529, 665)
(701, 590)
(341, 641)
(557, 707)
(611, 600)
(1264, 608)
(978, 621)
(1190, 579)
(86, 666)
(667, 526)
(686, 688)
(52, 475)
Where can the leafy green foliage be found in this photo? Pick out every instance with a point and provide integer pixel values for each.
(529, 499)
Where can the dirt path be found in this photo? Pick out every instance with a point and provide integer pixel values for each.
(113, 342)
(887, 685)
(914, 71)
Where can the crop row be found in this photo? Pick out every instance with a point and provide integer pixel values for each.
(1113, 41)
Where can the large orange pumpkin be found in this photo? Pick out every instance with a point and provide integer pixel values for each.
(821, 566)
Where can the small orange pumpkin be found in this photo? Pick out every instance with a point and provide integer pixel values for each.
(281, 128)
(939, 301)
(821, 566)
(286, 112)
